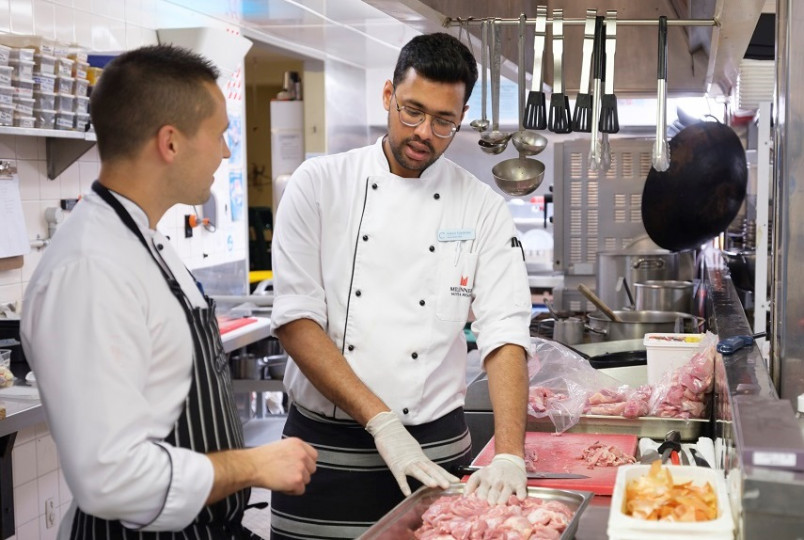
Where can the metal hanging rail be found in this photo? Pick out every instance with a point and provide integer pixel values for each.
(461, 21)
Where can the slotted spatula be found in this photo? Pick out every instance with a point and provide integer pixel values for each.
(609, 120)
(582, 116)
(559, 120)
(535, 116)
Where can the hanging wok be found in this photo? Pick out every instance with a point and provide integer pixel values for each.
(700, 194)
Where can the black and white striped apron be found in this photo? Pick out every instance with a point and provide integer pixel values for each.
(208, 423)
(352, 487)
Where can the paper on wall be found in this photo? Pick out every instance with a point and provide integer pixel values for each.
(13, 235)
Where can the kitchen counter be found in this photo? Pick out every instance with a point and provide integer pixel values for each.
(20, 414)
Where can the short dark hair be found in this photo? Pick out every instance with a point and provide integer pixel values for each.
(439, 57)
(147, 88)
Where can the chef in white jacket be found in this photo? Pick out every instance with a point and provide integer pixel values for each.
(379, 254)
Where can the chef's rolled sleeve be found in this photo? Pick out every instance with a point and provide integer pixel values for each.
(191, 474)
(293, 307)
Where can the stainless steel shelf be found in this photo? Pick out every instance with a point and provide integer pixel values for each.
(62, 147)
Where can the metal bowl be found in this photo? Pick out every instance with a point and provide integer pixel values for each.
(529, 142)
(518, 176)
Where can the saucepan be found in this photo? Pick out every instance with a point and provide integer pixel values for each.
(635, 324)
(664, 295)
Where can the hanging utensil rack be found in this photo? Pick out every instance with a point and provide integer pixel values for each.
(457, 21)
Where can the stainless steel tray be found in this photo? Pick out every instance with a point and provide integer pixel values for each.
(645, 426)
(406, 517)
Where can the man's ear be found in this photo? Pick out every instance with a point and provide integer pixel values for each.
(387, 94)
(167, 142)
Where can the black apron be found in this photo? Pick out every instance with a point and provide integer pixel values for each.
(208, 423)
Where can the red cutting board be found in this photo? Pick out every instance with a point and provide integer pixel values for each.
(226, 324)
(561, 453)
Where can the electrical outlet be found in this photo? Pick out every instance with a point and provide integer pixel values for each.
(50, 514)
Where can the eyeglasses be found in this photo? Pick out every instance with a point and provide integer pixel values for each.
(414, 117)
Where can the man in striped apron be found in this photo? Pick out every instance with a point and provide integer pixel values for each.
(135, 383)
(379, 254)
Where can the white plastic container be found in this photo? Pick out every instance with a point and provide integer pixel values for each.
(624, 527)
(23, 87)
(64, 67)
(65, 120)
(44, 82)
(6, 95)
(23, 105)
(81, 105)
(81, 122)
(44, 100)
(5, 75)
(6, 115)
(64, 102)
(5, 55)
(667, 352)
(25, 54)
(80, 70)
(64, 85)
(21, 69)
(45, 63)
(45, 119)
(81, 87)
(24, 121)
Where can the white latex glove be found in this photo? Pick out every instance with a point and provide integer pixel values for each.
(403, 454)
(498, 480)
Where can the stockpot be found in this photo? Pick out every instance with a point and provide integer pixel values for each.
(635, 324)
(663, 295)
(636, 266)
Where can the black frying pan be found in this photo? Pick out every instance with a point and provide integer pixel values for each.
(700, 194)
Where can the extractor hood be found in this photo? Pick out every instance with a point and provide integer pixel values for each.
(702, 59)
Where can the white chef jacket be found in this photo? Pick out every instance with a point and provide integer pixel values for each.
(112, 353)
(389, 267)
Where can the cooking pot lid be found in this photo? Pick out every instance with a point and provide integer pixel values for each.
(701, 193)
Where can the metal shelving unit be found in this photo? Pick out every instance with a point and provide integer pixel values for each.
(62, 147)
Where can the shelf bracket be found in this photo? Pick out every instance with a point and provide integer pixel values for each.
(61, 153)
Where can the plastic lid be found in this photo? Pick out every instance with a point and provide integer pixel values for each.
(800, 403)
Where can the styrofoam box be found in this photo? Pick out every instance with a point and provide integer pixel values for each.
(624, 527)
(667, 352)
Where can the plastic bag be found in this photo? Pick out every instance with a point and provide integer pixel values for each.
(682, 393)
(561, 381)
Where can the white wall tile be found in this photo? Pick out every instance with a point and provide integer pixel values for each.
(23, 462)
(44, 19)
(70, 182)
(27, 171)
(134, 12)
(10, 293)
(65, 495)
(107, 34)
(29, 183)
(64, 21)
(85, 5)
(83, 28)
(26, 503)
(30, 261)
(21, 16)
(28, 531)
(28, 147)
(51, 533)
(10, 277)
(5, 16)
(34, 220)
(46, 458)
(48, 488)
(26, 434)
(8, 144)
(48, 189)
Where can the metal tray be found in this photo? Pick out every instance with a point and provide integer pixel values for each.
(645, 426)
(406, 517)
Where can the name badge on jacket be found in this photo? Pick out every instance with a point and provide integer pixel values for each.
(455, 235)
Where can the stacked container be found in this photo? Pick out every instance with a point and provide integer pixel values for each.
(6, 90)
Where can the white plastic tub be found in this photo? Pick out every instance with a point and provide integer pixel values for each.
(667, 352)
(45, 119)
(624, 527)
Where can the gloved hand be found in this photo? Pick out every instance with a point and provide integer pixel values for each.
(497, 481)
(403, 454)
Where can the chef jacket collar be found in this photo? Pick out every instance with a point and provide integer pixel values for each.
(382, 159)
(136, 212)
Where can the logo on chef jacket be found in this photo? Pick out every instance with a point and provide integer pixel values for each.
(463, 289)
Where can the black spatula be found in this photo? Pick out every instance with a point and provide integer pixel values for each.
(582, 116)
(535, 116)
(559, 120)
(609, 120)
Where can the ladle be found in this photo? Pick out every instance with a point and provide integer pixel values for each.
(482, 124)
(592, 297)
(494, 141)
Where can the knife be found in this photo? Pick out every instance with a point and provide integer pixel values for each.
(530, 475)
